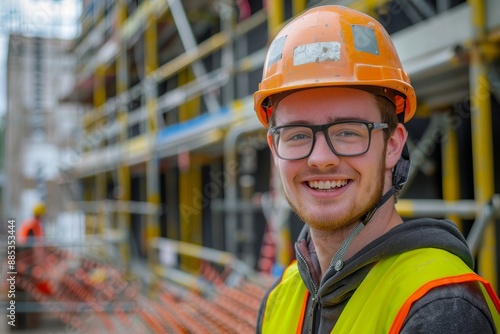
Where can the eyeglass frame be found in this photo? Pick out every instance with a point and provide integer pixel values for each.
(324, 128)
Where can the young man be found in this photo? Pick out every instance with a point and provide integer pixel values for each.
(335, 97)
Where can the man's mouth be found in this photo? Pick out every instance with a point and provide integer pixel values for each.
(327, 185)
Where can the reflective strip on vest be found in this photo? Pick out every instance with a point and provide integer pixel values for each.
(382, 301)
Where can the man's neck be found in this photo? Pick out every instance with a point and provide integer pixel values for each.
(327, 243)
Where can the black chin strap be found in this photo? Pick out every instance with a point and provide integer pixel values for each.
(401, 171)
(337, 261)
(381, 202)
(399, 176)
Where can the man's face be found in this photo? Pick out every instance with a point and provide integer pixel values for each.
(327, 191)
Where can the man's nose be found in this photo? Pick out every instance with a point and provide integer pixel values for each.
(322, 155)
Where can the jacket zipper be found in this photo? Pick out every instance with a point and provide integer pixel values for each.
(312, 315)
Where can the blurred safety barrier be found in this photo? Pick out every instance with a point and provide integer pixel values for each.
(222, 294)
(90, 295)
(86, 294)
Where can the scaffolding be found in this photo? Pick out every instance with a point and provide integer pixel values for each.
(172, 120)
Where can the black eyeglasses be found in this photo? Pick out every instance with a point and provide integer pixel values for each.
(345, 138)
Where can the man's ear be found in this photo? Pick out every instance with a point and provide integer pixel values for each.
(395, 146)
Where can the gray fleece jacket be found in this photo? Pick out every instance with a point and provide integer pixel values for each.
(458, 308)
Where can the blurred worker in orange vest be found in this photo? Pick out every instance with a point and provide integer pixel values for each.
(29, 235)
(31, 228)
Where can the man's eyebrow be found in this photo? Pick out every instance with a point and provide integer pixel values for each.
(343, 119)
(296, 122)
(330, 120)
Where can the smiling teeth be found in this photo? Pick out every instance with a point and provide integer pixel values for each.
(327, 184)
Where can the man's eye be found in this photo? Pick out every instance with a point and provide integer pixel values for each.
(347, 133)
(297, 135)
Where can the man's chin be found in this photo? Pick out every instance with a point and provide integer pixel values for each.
(330, 221)
(331, 226)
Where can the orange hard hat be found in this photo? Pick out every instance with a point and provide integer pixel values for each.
(333, 46)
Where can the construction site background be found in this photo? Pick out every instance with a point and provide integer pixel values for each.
(164, 213)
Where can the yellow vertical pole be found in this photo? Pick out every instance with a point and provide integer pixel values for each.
(99, 101)
(191, 108)
(367, 6)
(190, 205)
(89, 195)
(451, 172)
(190, 183)
(124, 216)
(152, 177)
(298, 6)
(123, 169)
(482, 138)
(99, 86)
(275, 16)
(151, 64)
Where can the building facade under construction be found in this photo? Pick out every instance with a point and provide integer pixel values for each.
(171, 146)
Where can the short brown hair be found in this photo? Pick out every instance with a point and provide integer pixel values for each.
(388, 113)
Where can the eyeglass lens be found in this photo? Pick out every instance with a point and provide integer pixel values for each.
(346, 139)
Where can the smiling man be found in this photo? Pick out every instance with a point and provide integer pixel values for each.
(335, 99)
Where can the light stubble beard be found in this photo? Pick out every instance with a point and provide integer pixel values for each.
(330, 224)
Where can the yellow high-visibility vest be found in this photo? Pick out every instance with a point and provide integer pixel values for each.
(382, 302)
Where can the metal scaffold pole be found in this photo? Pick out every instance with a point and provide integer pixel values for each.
(451, 171)
(123, 168)
(100, 178)
(152, 177)
(482, 139)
